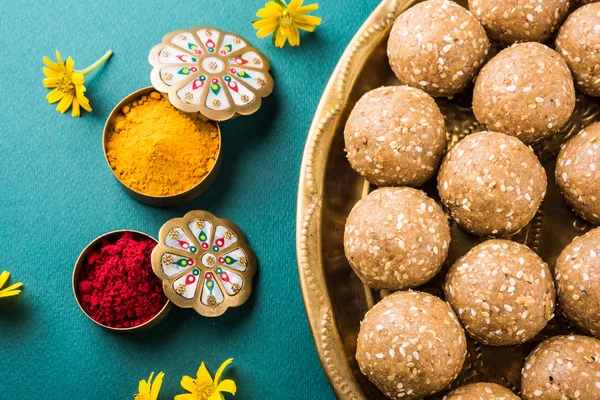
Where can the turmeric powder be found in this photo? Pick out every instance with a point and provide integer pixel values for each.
(159, 151)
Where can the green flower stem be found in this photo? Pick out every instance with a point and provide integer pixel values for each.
(95, 65)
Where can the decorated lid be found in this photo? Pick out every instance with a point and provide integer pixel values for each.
(204, 70)
(204, 262)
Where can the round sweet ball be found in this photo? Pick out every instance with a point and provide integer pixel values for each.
(395, 136)
(578, 280)
(578, 173)
(502, 292)
(491, 183)
(481, 391)
(396, 238)
(562, 367)
(526, 91)
(410, 345)
(521, 20)
(578, 41)
(437, 46)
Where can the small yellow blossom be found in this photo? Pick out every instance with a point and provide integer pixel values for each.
(11, 290)
(67, 84)
(204, 388)
(284, 21)
(149, 390)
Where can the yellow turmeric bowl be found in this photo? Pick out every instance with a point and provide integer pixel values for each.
(161, 156)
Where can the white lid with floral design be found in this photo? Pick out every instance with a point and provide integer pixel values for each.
(208, 71)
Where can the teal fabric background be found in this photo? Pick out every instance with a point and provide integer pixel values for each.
(57, 194)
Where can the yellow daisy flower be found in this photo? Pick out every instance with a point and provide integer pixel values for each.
(285, 20)
(11, 290)
(67, 84)
(149, 390)
(204, 388)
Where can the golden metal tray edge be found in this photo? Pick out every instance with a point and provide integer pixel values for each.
(308, 243)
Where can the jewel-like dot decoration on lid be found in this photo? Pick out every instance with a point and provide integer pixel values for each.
(204, 263)
(216, 73)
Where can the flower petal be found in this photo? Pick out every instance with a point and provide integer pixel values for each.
(9, 293)
(186, 396)
(70, 64)
(51, 64)
(188, 383)
(51, 74)
(54, 96)
(12, 287)
(294, 36)
(263, 23)
(264, 32)
(51, 82)
(280, 37)
(307, 22)
(228, 386)
(65, 103)
(83, 101)
(221, 369)
(307, 9)
(271, 10)
(75, 111)
(77, 78)
(215, 396)
(144, 387)
(203, 375)
(294, 5)
(156, 385)
(4, 278)
(59, 61)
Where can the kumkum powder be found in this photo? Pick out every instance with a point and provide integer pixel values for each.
(157, 150)
(117, 287)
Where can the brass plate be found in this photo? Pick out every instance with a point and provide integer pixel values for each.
(334, 297)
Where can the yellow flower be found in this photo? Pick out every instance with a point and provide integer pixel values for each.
(11, 290)
(68, 84)
(284, 20)
(204, 388)
(149, 390)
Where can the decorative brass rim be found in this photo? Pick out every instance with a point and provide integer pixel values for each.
(312, 174)
(204, 262)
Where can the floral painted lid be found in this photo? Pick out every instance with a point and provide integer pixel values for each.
(204, 263)
(204, 70)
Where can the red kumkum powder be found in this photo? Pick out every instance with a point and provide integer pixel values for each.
(117, 287)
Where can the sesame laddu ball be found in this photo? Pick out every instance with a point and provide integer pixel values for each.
(526, 91)
(396, 238)
(502, 292)
(578, 281)
(578, 173)
(578, 41)
(437, 46)
(563, 367)
(395, 136)
(410, 345)
(519, 20)
(481, 391)
(491, 183)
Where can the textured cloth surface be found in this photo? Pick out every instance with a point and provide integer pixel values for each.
(57, 194)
